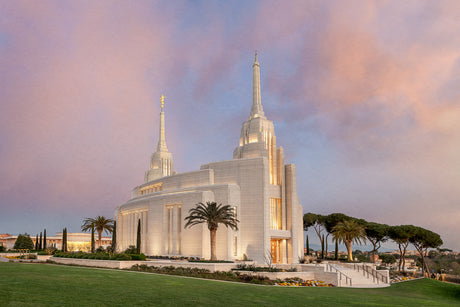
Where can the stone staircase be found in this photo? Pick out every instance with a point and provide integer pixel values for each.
(359, 275)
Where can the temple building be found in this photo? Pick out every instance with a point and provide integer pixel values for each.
(256, 182)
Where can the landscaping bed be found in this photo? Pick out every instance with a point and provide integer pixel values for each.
(204, 273)
(296, 282)
(101, 256)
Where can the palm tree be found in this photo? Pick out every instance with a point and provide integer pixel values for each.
(100, 223)
(213, 215)
(347, 232)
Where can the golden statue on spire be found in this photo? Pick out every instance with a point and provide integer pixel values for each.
(162, 97)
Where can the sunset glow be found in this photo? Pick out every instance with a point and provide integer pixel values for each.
(365, 97)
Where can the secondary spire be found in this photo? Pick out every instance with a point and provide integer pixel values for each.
(256, 109)
(161, 161)
(161, 141)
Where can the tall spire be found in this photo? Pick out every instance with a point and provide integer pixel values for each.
(256, 109)
(161, 161)
(161, 140)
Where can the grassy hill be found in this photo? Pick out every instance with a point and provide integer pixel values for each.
(53, 285)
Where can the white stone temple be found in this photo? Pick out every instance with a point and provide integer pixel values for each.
(256, 182)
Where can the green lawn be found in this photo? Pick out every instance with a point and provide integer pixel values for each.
(43, 284)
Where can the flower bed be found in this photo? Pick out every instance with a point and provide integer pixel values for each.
(396, 279)
(204, 273)
(303, 283)
(31, 256)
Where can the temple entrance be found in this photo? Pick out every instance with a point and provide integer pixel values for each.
(276, 251)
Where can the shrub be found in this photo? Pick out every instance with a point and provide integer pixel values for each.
(138, 256)
(131, 250)
(253, 268)
(121, 257)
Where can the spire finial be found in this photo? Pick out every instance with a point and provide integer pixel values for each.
(161, 141)
(256, 109)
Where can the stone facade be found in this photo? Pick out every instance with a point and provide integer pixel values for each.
(256, 182)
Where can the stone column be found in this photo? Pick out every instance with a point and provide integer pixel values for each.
(119, 233)
(144, 232)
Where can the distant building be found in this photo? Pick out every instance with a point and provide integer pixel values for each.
(2, 238)
(76, 241)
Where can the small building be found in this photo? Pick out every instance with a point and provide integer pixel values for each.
(3, 237)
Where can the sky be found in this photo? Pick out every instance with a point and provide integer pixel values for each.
(364, 95)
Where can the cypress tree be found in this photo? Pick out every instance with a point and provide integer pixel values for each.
(44, 239)
(93, 243)
(114, 237)
(138, 243)
(36, 242)
(322, 248)
(63, 240)
(65, 246)
(336, 250)
(308, 246)
(41, 242)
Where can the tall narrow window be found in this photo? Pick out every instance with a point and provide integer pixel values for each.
(275, 213)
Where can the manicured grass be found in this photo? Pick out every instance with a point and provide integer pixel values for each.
(53, 285)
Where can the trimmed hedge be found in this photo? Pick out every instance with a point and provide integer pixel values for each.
(101, 256)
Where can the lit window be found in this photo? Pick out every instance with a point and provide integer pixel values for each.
(150, 189)
(275, 213)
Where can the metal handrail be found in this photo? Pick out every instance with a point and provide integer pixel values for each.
(375, 274)
(347, 278)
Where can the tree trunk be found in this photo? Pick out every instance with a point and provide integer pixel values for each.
(373, 251)
(318, 233)
(99, 233)
(213, 245)
(336, 250)
(425, 263)
(350, 252)
(404, 257)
